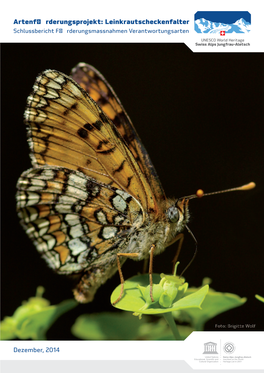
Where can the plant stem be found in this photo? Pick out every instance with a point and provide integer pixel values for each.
(168, 317)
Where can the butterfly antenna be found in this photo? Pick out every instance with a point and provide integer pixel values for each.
(195, 251)
(200, 193)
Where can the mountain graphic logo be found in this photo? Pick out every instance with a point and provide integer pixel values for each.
(222, 23)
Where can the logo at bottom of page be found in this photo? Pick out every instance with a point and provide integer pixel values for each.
(210, 348)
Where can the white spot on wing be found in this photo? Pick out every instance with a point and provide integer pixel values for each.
(63, 209)
(82, 257)
(51, 241)
(76, 231)
(119, 203)
(77, 192)
(77, 246)
(33, 199)
(123, 194)
(51, 93)
(77, 181)
(53, 84)
(101, 217)
(72, 219)
(109, 232)
(70, 267)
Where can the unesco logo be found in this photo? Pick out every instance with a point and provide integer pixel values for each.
(229, 347)
(222, 22)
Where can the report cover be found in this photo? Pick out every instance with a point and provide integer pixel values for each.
(132, 186)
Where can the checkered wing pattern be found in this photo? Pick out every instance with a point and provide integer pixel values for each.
(92, 182)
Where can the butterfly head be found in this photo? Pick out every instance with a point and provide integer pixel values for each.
(178, 213)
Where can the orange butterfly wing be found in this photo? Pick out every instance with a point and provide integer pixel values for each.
(67, 128)
(94, 83)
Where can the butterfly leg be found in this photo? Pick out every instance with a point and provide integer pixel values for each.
(145, 266)
(134, 255)
(152, 248)
(179, 238)
(128, 255)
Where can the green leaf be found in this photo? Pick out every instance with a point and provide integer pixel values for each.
(33, 318)
(133, 301)
(214, 304)
(107, 326)
(8, 328)
(259, 298)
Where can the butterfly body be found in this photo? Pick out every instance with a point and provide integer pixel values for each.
(93, 192)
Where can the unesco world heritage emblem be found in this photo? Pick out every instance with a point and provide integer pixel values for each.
(222, 23)
(210, 348)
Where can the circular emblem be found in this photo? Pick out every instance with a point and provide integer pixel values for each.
(229, 347)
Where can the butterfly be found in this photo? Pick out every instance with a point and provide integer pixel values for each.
(92, 198)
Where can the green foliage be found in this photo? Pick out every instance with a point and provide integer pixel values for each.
(173, 299)
(214, 304)
(261, 299)
(107, 326)
(123, 326)
(190, 307)
(164, 297)
(33, 318)
(136, 296)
